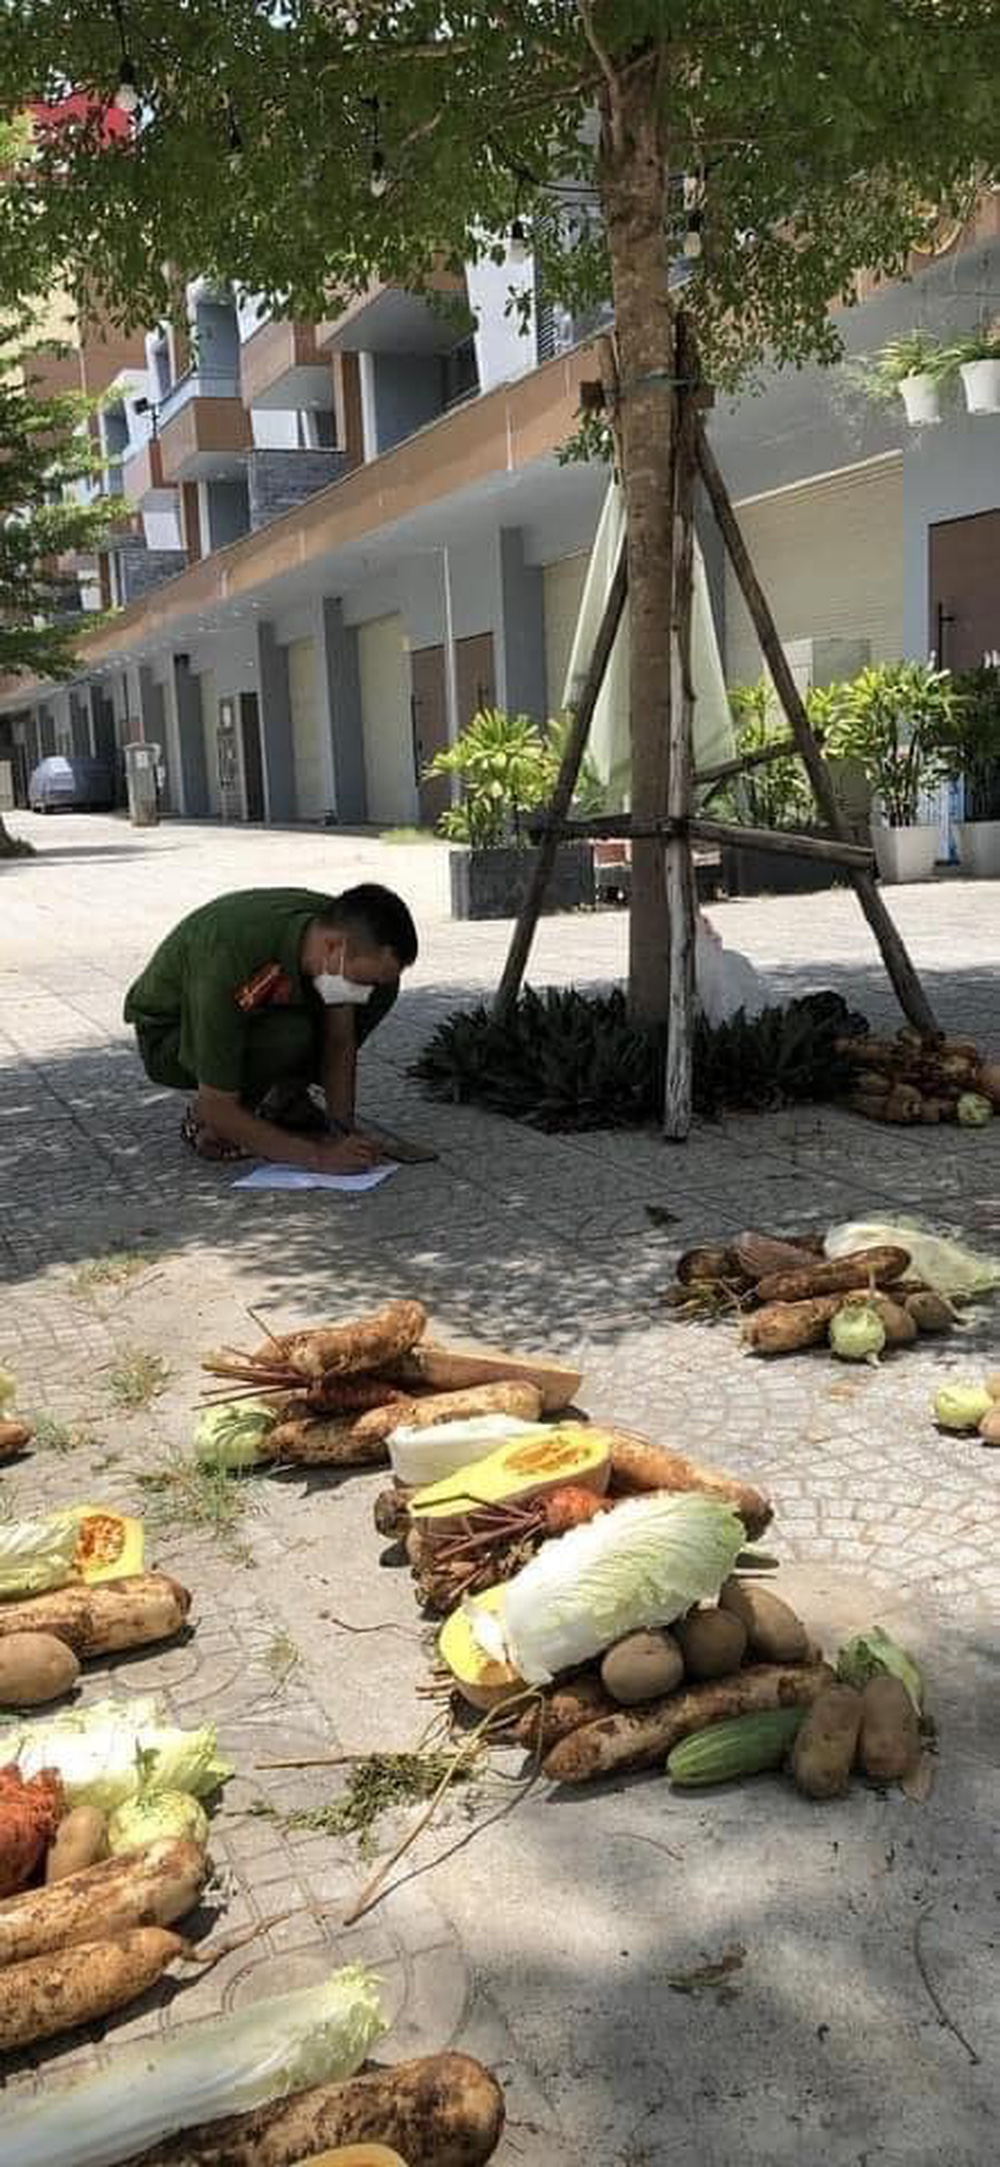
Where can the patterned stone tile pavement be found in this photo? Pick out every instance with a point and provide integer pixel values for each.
(549, 1940)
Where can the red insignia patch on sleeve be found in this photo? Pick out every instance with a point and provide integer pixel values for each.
(270, 987)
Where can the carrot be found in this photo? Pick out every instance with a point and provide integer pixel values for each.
(29, 1816)
(641, 1737)
(99, 1620)
(839, 1275)
(443, 2111)
(66, 1988)
(367, 1343)
(151, 1886)
(571, 1507)
(638, 1465)
(785, 1327)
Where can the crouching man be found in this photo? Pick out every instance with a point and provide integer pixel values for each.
(260, 996)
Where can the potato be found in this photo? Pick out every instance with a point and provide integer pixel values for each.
(989, 1428)
(890, 1734)
(823, 1753)
(930, 1312)
(80, 1840)
(35, 1667)
(898, 1324)
(992, 1383)
(774, 1633)
(712, 1642)
(641, 1667)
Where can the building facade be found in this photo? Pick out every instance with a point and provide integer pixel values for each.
(341, 538)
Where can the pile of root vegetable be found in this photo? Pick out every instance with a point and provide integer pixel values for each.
(789, 1295)
(910, 1079)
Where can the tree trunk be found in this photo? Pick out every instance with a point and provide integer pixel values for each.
(632, 169)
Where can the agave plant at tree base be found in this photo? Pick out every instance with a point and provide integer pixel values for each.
(566, 1060)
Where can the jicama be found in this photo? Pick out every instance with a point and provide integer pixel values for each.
(115, 1749)
(641, 1737)
(101, 1620)
(151, 1886)
(642, 1565)
(316, 2035)
(445, 2111)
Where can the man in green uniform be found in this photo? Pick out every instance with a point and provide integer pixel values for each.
(259, 995)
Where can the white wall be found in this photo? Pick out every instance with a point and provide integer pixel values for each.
(501, 350)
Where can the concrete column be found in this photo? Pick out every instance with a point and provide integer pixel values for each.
(275, 726)
(171, 731)
(79, 720)
(521, 661)
(191, 740)
(340, 693)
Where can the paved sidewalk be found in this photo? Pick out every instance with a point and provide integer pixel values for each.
(549, 1942)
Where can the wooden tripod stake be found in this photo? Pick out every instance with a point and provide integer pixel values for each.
(693, 456)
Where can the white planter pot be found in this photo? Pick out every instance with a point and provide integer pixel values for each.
(979, 845)
(981, 380)
(906, 853)
(921, 397)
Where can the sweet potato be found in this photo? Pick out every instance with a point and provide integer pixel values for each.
(642, 1737)
(930, 1312)
(443, 2111)
(889, 1742)
(390, 1511)
(712, 1642)
(787, 1327)
(364, 1343)
(80, 1840)
(989, 1428)
(325, 1443)
(760, 1253)
(899, 1326)
(66, 1988)
(637, 1465)
(701, 1266)
(507, 1397)
(824, 1750)
(99, 1620)
(151, 1886)
(836, 1275)
(35, 1668)
(774, 1633)
(455, 1369)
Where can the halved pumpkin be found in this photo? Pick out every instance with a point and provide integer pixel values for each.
(481, 1679)
(519, 1469)
(355, 2155)
(109, 1545)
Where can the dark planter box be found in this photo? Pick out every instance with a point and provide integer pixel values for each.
(494, 883)
(771, 872)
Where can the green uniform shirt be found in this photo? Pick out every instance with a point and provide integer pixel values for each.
(194, 980)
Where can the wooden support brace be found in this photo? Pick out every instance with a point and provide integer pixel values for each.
(906, 984)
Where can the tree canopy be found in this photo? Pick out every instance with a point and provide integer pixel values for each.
(816, 140)
(44, 449)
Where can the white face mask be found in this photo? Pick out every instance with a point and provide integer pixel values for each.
(338, 991)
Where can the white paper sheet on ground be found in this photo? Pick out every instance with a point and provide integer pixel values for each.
(299, 1177)
(609, 742)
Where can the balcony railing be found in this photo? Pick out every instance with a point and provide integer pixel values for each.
(197, 384)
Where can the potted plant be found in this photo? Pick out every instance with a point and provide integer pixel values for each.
(914, 368)
(893, 719)
(506, 767)
(976, 359)
(774, 795)
(971, 749)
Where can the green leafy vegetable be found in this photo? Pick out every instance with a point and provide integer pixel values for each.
(154, 1814)
(874, 1655)
(37, 1554)
(233, 1435)
(116, 1750)
(636, 1567)
(200, 2073)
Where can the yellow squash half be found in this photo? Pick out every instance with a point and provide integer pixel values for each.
(480, 1679)
(570, 1454)
(109, 1546)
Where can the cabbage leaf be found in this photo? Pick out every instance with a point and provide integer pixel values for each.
(37, 1554)
(156, 1814)
(114, 1750)
(233, 1435)
(641, 1565)
(424, 1456)
(876, 1655)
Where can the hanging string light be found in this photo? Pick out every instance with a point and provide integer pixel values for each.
(127, 98)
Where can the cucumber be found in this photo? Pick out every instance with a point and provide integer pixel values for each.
(742, 1746)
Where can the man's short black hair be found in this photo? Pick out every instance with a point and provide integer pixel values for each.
(376, 916)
